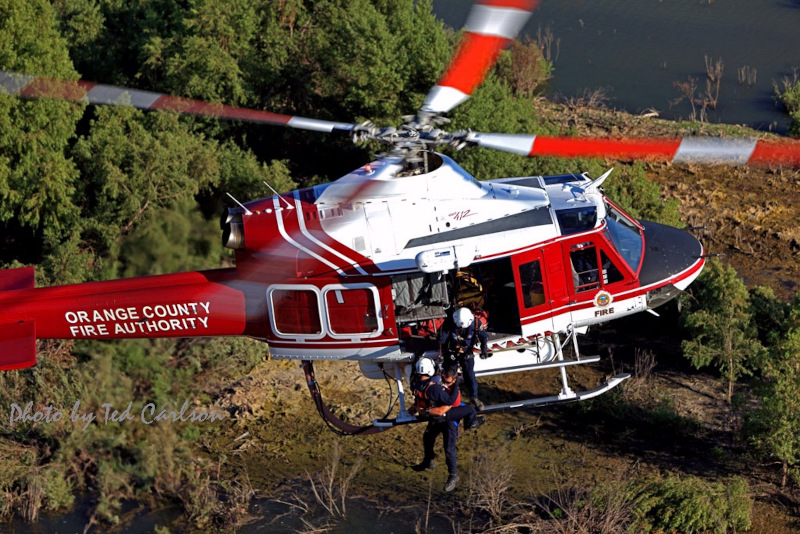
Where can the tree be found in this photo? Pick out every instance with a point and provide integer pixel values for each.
(770, 315)
(722, 330)
(774, 427)
(36, 178)
(524, 67)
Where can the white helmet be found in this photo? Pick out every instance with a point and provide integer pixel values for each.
(425, 366)
(463, 318)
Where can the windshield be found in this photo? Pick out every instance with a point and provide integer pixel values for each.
(626, 236)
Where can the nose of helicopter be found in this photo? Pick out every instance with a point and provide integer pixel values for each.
(672, 260)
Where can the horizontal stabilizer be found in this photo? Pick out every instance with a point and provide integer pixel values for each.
(20, 278)
(17, 345)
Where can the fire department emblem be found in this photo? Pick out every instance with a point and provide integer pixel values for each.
(603, 299)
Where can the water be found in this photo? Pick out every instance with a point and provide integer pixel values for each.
(636, 49)
(134, 519)
(272, 517)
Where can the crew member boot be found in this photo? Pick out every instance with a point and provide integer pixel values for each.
(452, 480)
(477, 403)
(424, 465)
(476, 423)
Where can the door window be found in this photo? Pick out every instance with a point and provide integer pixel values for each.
(530, 277)
(584, 267)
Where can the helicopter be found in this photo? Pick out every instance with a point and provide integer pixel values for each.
(353, 269)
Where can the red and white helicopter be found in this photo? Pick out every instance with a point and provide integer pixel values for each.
(345, 270)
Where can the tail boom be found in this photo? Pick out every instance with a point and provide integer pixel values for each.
(194, 304)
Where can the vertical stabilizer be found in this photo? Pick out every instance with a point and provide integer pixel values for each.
(17, 345)
(20, 278)
(17, 339)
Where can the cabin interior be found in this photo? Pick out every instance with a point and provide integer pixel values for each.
(422, 301)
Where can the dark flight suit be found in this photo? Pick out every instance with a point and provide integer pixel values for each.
(457, 346)
(438, 395)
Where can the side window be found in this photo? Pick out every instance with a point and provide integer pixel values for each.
(584, 267)
(351, 311)
(530, 277)
(610, 272)
(296, 312)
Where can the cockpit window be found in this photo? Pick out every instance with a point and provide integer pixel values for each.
(626, 236)
(576, 220)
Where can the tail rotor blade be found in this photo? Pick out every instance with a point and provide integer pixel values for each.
(491, 25)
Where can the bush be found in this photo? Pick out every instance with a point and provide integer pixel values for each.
(691, 504)
(790, 98)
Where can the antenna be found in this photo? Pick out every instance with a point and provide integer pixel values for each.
(595, 185)
(247, 211)
(278, 195)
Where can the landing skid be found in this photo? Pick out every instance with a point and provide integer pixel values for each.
(553, 400)
(405, 418)
(529, 404)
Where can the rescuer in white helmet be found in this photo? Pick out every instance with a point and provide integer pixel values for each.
(439, 398)
(456, 344)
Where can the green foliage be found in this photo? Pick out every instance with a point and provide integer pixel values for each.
(721, 325)
(242, 175)
(134, 164)
(494, 108)
(690, 504)
(524, 68)
(773, 427)
(110, 192)
(770, 314)
(178, 239)
(790, 98)
(202, 59)
(58, 489)
(36, 178)
(108, 37)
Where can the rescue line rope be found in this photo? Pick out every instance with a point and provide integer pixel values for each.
(334, 423)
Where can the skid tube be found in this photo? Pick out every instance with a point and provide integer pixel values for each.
(379, 425)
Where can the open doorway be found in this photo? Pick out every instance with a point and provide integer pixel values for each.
(490, 285)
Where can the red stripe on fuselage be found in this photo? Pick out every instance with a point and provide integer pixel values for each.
(622, 295)
(314, 227)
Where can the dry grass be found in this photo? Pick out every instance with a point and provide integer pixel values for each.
(490, 481)
(588, 98)
(331, 485)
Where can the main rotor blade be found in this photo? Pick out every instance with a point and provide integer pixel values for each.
(702, 150)
(35, 87)
(491, 25)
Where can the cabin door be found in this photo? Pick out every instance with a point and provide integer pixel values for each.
(534, 294)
